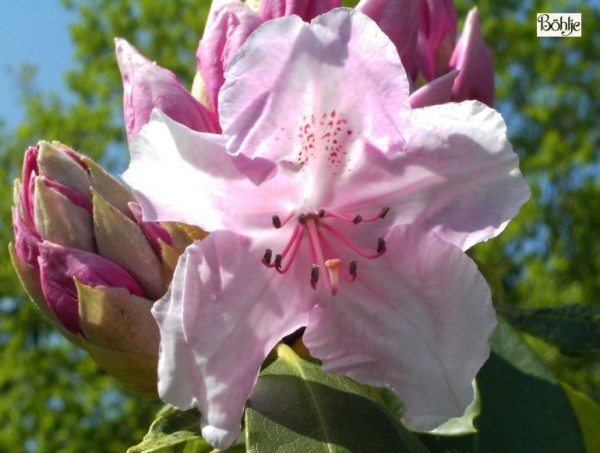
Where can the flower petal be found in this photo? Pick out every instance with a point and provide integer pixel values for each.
(437, 91)
(399, 21)
(306, 9)
(218, 325)
(473, 59)
(147, 86)
(294, 83)
(186, 176)
(417, 319)
(457, 176)
(228, 25)
(437, 35)
(59, 265)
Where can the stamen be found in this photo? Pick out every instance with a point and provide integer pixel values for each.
(357, 218)
(314, 276)
(302, 219)
(267, 257)
(292, 248)
(276, 221)
(315, 244)
(333, 267)
(297, 231)
(352, 246)
(321, 213)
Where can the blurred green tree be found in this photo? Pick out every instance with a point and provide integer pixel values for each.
(54, 398)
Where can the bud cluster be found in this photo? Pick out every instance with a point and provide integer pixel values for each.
(90, 262)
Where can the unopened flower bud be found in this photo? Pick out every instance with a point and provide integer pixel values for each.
(473, 60)
(467, 63)
(147, 86)
(90, 262)
(437, 36)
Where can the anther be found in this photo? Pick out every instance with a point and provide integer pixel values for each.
(384, 212)
(321, 213)
(277, 261)
(267, 256)
(302, 218)
(357, 219)
(352, 268)
(380, 245)
(314, 276)
(276, 221)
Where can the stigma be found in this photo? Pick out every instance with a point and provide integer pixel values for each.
(319, 231)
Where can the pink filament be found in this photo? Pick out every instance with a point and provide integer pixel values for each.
(349, 243)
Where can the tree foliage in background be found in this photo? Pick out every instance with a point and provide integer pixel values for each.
(55, 398)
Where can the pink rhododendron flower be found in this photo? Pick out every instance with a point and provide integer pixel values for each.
(331, 205)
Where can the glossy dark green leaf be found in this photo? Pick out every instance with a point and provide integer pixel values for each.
(523, 407)
(574, 329)
(296, 407)
(173, 428)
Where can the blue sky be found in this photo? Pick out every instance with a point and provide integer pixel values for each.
(33, 31)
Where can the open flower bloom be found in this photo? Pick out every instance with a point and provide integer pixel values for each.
(331, 205)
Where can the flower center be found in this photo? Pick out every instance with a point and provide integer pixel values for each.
(317, 229)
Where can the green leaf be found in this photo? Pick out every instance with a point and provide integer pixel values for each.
(295, 407)
(523, 407)
(173, 428)
(573, 329)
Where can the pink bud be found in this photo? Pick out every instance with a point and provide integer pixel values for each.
(473, 60)
(399, 20)
(229, 24)
(147, 86)
(59, 265)
(437, 34)
(306, 9)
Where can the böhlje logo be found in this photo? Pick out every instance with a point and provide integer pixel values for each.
(560, 25)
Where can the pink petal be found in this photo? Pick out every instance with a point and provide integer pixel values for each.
(292, 81)
(222, 315)
(27, 239)
(147, 86)
(186, 176)
(59, 265)
(474, 61)
(437, 21)
(437, 91)
(229, 24)
(154, 231)
(306, 9)
(74, 196)
(399, 21)
(417, 319)
(437, 35)
(457, 176)
(30, 171)
(481, 188)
